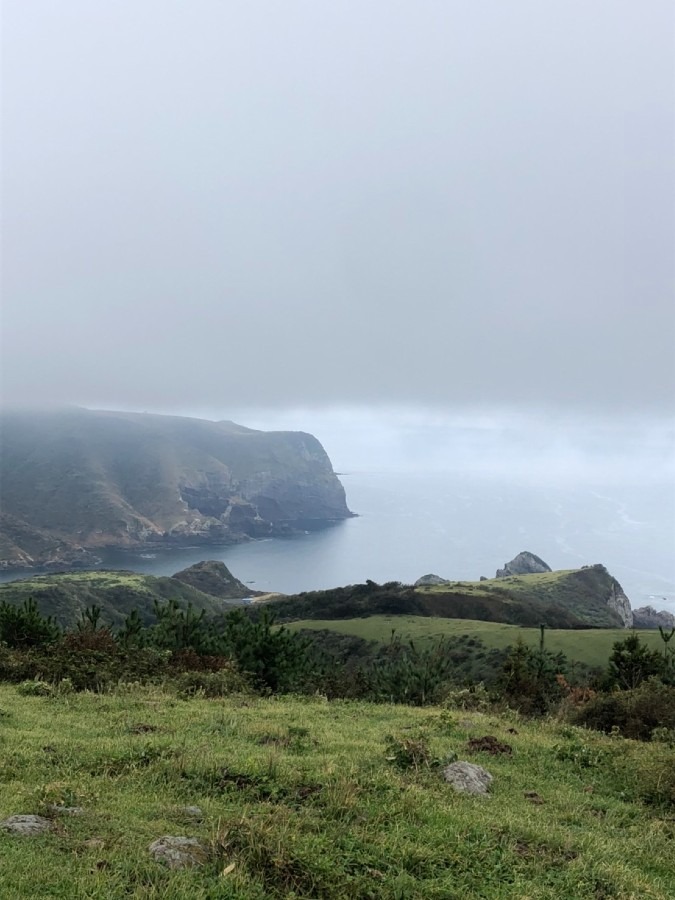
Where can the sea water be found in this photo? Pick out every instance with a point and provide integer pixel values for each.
(458, 527)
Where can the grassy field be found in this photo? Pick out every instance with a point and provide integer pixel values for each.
(299, 800)
(591, 646)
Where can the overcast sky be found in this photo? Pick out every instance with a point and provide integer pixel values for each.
(317, 202)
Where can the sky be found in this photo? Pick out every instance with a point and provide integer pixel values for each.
(450, 206)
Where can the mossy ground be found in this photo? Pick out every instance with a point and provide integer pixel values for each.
(299, 800)
(590, 646)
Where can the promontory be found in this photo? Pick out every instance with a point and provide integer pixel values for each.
(76, 481)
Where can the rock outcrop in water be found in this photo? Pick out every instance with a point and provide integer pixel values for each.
(648, 617)
(525, 563)
(213, 577)
(75, 480)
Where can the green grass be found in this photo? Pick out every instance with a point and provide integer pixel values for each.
(66, 595)
(584, 592)
(299, 800)
(591, 646)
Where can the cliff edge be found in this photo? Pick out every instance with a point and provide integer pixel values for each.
(74, 481)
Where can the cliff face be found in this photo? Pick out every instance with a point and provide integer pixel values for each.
(74, 481)
(619, 603)
(648, 617)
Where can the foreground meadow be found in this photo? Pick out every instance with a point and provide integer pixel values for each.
(308, 798)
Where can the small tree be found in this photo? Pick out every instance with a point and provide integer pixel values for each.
(530, 677)
(276, 658)
(406, 673)
(632, 662)
(24, 626)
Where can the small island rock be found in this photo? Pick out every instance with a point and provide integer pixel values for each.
(430, 580)
(525, 563)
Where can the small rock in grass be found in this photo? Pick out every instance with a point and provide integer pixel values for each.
(191, 812)
(59, 810)
(467, 778)
(534, 797)
(178, 852)
(26, 826)
(94, 844)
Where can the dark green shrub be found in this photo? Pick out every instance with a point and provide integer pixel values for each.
(634, 714)
(276, 659)
(632, 662)
(24, 626)
(405, 673)
(529, 680)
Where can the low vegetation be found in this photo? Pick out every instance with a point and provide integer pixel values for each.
(312, 764)
(300, 797)
(577, 598)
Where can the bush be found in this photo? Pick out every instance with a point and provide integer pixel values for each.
(474, 698)
(632, 662)
(24, 626)
(408, 752)
(35, 688)
(634, 714)
(211, 684)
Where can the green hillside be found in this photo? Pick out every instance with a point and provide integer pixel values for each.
(76, 480)
(576, 598)
(590, 646)
(583, 592)
(66, 596)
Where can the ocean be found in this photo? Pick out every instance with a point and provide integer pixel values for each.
(458, 527)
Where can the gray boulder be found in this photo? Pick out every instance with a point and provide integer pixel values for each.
(525, 563)
(430, 580)
(468, 778)
(26, 826)
(191, 812)
(178, 852)
(648, 617)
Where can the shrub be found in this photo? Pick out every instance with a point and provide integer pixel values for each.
(211, 684)
(405, 673)
(474, 698)
(632, 662)
(24, 626)
(530, 680)
(35, 688)
(408, 752)
(634, 714)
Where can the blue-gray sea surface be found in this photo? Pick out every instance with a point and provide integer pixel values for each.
(459, 528)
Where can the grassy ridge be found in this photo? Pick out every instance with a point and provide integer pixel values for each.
(590, 646)
(583, 592)
(66, 596)
(575, 598)
(317, 811)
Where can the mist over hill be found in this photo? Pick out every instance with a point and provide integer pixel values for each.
(73, 481)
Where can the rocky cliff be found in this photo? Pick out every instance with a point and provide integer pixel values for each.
(648, 617)
(74, 481)
(525, 563)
